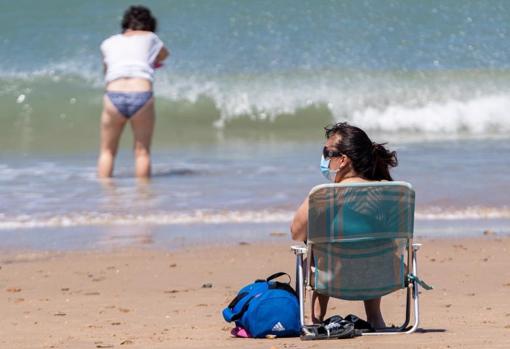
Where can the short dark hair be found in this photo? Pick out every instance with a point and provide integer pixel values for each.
(369, 159)
(138, 18)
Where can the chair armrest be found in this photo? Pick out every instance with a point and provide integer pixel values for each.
(299, 249)
(416, 246)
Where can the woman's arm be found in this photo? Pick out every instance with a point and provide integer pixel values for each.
(299, 227)
(162, 55)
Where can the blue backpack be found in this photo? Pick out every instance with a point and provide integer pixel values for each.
(266, 307)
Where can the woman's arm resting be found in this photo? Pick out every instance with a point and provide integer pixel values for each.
(162, 55)
(299, 227)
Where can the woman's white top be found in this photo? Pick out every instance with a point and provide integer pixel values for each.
(131, 56)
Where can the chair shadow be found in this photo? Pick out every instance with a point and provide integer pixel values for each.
(430, 330)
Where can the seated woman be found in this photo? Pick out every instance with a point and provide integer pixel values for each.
(348, 156)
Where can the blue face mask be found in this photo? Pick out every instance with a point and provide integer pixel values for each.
(330, 175)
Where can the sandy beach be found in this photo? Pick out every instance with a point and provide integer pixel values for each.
(241, 107)
(149, 298)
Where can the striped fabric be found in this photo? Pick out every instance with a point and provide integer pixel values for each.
(359, 235)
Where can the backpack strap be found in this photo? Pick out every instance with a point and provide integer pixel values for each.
(229, 314)
(280, 285)
(277, 275)
(237, 299)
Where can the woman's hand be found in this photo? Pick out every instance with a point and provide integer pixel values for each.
(299, 227)
(162, 55)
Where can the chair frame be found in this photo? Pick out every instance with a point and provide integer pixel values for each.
(304, 276)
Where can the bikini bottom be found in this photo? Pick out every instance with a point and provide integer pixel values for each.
(128, 103)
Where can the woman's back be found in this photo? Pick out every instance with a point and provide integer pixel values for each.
(131, 55)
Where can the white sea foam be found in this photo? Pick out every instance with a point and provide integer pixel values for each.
(26, 221)
(468, 213)
(488, 114)
(426, 105)
(194, 217)
(420, 110)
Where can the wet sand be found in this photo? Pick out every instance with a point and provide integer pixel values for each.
(149, 298)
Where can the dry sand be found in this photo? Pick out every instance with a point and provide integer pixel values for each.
(147, 298)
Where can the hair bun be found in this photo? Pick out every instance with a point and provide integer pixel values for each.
(381, 154)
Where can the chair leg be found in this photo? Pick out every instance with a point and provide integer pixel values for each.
(408, 310)
(299, 252)
(404, 327)
(415, 295)
(416, 290)
(299, 258)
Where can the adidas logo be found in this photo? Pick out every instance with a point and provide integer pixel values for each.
(278, 327)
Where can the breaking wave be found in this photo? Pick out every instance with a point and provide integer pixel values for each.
(473, 103)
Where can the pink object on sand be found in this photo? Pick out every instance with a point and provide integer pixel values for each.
(240, 332)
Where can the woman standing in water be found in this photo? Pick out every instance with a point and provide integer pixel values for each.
(129, 62)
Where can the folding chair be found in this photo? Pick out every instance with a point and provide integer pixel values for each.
(359, 245)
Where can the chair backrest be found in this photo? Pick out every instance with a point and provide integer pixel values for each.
(359, 235)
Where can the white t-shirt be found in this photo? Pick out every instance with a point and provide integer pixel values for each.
(130, 56)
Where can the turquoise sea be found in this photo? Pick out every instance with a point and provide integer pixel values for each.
(241, 106)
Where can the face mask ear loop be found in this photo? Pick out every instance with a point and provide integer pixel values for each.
(341, 166)
(324, 166)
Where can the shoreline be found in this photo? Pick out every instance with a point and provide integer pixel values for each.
(181, 236)
(151, 297)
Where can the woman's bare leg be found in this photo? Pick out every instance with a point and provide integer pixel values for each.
(373, 311)
(142, 124)
(112, 124)
(319, 307)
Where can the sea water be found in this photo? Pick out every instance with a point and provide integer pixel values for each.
(241, 106)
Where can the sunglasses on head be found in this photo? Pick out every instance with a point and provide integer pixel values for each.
(330, 153)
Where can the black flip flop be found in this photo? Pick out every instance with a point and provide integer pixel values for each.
(359, 324)
(333, 328)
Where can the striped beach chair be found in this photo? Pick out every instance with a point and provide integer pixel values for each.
(360, 245)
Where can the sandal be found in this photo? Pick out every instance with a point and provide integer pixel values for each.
(333, 328)
(359, 324)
